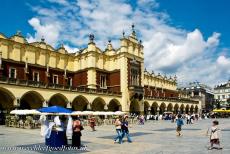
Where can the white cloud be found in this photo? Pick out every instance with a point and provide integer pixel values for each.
(167, 48)
(49, 31)
(71, 49)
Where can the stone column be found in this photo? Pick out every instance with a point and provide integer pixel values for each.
(69, 105)
(106, 107)
(17, 102)
(45, 103)
(149, 110)
(158, 111)
(88, 106)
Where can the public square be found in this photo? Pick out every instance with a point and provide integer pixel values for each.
(157, 137)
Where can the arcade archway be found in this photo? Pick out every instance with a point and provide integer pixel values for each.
(154, 108)
(187, 109)
(170, 107)
(6, 100)
(196, 109)
(98, 104)
(162, 108)
(59, 100)
(114, 105)
(31, 100)
(146, 107)
(182, 108)
(192, 109)
(134, 107)
(80, 103)
(176, 108)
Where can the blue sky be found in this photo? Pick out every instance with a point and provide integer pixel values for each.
(188, 38)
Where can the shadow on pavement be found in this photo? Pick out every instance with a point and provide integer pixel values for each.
(131, 134)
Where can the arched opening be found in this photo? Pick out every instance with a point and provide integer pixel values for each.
(176, 108)
(192, 109)
(196, 109)
(134, 107)
(6, 100)
(154, 108)
(58, 100)
(80, 103)
(170, 107)
(114, 105)
(187, 109)
(146, 107)
(6, 103)
(31, 100)
(98, 104)
(182, 108)
(162, 108)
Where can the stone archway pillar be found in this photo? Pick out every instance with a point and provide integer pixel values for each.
(88, 106)
(45, 103)
(178, 111)
(158, 111)
(69, 105)
(106, 107)
(149, 111)
(120, 107)
(141, 102)
(17, 102)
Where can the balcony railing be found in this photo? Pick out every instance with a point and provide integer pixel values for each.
(37, 84)
(173, 99)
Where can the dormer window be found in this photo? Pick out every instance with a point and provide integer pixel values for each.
(12, 73)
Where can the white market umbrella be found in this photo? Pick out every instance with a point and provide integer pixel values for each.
(77, 113)
(119, 113)
(25, 112)
(98, 113)
(108, 113)
(87, 112)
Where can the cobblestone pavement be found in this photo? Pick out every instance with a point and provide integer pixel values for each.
(153, 137)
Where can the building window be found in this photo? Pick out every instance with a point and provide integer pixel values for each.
(218, 97)
(134, 77)
(103, 81)
(55, 79)
(36, 76)
(223, 96)
(68, 81)
(12, 73)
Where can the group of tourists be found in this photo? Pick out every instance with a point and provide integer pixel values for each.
(60, 129)
(122, 129)
(213, 132)
(63, 128)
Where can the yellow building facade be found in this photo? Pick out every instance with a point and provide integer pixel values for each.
(35, 75)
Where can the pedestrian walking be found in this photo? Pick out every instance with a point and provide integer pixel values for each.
(179, 123)
(125, 129)
(92, 123)
(215, 134)
(118, 130)
(77, 128)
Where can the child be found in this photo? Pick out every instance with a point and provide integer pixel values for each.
(214, 135)
(179, 123)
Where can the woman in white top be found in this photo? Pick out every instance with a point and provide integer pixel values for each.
(118, 130)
